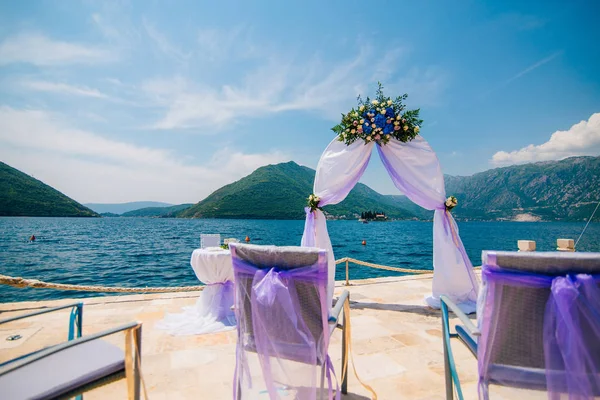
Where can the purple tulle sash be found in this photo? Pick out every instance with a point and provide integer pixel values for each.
(570, 332)
(278, 331)
(572, 324)
(308, 237)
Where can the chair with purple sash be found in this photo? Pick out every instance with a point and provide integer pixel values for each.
(538, 325)
(284, 323)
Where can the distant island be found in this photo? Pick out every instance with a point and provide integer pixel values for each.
(121, 208)
(566, 190)
(373, 216)
(157, 212)
(23, 195)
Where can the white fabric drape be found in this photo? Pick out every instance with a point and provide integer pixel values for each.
(212, 311)
(339, 169)
(416, 172)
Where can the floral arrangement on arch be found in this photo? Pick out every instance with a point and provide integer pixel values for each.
(378, 120)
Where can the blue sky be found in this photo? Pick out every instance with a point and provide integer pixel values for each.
(149, 100)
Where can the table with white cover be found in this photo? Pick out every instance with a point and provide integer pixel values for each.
(213, 309)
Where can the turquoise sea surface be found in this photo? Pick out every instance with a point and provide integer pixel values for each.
(138, 252)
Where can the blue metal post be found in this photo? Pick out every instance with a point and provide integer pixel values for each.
(449, 357)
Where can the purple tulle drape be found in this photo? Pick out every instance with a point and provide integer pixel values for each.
(340, 168)
(416, 172)
(539, 332)
(308, 237)
(271, 309)
(572, 336)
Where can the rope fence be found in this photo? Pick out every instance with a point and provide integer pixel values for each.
(349, 260)
(19, 282)
(37, 284)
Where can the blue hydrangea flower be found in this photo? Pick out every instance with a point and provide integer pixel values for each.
(388, 128)
(389, 112)
(372, 111)
(380, 120)
(367, 128)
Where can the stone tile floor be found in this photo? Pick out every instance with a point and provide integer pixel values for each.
(396, 343)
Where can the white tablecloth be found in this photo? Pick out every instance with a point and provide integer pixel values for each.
(212, 312)
(212, 265)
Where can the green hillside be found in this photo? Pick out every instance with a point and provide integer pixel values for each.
(22, 195)
(121, 208)
(548, 191)
(553, 190)
(157, 212)
(279, 192)
(405, 203)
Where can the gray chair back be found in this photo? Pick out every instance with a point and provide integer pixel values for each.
(516, 337)
(281, 258)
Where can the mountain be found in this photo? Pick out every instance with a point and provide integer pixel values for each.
(157, 212)
(545, 191)
(405, 203)
(279, 192)
(568, 189)
(120, 208)
(22, 195)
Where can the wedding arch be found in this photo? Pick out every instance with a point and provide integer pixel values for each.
(414, 169)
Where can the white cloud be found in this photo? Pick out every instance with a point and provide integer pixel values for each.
(163, 44)
(113, 21)
(388, 64)
(107, 29)
(521, 73)
(66, 89)
(91, 168)
(217, 45)
(534, 66)
(63, 88)
(276, 86)
(40, 50)
(581, 139)
(424, 86)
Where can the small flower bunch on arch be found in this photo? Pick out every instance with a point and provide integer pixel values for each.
(451, 202)
(379, 120)
(313, 202)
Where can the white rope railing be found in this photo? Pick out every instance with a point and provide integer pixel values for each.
(349, 260)
(37, 284)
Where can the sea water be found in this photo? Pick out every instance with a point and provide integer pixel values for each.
(138, 252)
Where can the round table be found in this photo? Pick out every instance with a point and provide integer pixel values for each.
(212, 265)
(213, 309)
